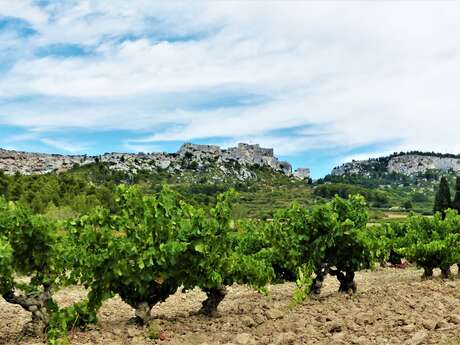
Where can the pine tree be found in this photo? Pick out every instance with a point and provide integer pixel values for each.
(456, 202)
(442, 200)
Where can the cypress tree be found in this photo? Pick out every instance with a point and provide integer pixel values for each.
(456, 202)
(442, 200)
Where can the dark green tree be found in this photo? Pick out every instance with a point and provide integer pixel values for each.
(407, 205)
(442, 199)
(456, 202)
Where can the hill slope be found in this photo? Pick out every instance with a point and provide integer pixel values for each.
(399, 181)
(65, 185)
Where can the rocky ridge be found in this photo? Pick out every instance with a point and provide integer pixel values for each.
(414, 164)
(235, 160)
(406, 164)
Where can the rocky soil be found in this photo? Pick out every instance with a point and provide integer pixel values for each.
(392, 306)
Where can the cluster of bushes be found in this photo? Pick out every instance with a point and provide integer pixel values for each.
(42, 193)
(376, 198)
(372, 179)
(429, 242)
(75, 192)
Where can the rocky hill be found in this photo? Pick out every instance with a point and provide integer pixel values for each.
(236, 161)
(410, 164)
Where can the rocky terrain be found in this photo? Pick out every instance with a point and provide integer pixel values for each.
(406, 164)
(190, 156)
(392, 307)
(414, 164)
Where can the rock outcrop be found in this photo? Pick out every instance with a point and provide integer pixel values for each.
(414, 164)
(406, 164)
(302, 173)
(237, 160)
(365, 167)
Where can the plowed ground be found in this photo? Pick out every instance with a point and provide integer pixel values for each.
(392, 306)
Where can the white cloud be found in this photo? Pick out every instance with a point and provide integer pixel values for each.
(65, 146)
(355, 73)
(24, 10)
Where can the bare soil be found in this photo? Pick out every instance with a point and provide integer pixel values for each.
(392, 306)
(396, 215)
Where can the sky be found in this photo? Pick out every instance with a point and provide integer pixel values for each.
(320, 82)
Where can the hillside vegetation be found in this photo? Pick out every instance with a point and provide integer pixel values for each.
(80, 189)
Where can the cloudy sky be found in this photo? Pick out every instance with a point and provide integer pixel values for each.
(321, 82)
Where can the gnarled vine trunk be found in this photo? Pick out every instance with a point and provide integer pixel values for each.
(445, 272)
(143, 303)
(142, 313)
(347, 281)
(394, 258)
(36, 302)
(319, 279)
(427, 273)
(214, 297)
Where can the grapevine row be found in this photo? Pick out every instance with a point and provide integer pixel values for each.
(147, 247)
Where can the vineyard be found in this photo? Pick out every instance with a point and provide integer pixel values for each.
(148, 249)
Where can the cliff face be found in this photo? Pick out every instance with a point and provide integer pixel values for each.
(356, 167)
(413, 164)
(38, 163)
(406, 164)
(234, 160)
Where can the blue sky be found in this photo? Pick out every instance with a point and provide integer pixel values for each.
(320, 82)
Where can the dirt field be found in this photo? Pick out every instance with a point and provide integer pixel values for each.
(392, 306)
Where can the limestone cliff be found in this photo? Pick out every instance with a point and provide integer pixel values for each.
(235, 160)
(401, 163)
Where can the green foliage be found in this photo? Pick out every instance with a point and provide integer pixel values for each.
(432, 242)
(407, 205)
(66, 195)
(144, 247)
(349, 246)
(154, 332)
(44, 193)
(6, 269)
(157, 243)
(299, 241)
(419, 197)
(35, 247)
(388, 238)
(378, 198)
(341, 241)
(33, 240)
(371, 177)
(62, 320)
(442, 200)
